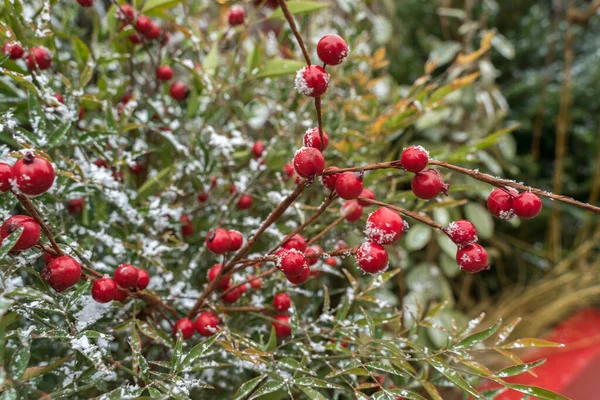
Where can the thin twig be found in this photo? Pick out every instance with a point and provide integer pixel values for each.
(290, 20)
(30, 208)
(319, 120)
(410, 214)
(327, 229)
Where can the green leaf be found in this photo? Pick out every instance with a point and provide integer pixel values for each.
(278, 67)
(198, 350)
(299, 7)
(272, 343)
(211, 62)
(393, 393)
(453, 376)
(20, 360)
(350, 368)
(316, 383)
(153, 333)
(312, 393)
(155, 5)
(267, 388)
(294, 365)
(156, 183)
(530, 343)
(82, 53)
(417, 237)
(253, 59)
(482, 219)
(58, 134)
(247, 387)
(479, 336)
(507, 330)
(385, 367)
(34, 372)
(370, 322)
(177, 353)
(518, 369)
(432, 390)
(379, 280)
(155, 393)
(9, 242)
(535, 392)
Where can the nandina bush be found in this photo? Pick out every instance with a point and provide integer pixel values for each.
(173, 223)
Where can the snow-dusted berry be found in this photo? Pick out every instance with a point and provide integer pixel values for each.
(372, 257)
(38, 57)
(13, 49)
(207, 323)
(500, 202)
(258, 148)
(312, 138)
(34, 174)
(303, 277)
(462, 233)
(414, 158)
(236, 15)
(308, 162)
(234, 295)
(428, 184)
(282, 302)
(352, 210)
(332, 49)
(367, 194)
(185, 326)
(329, 180)
(349, 185)
(179, 91)
(312, 80)
(125, 12)
(6, 174)
(218, 241)
(297, 242)
(384, 226)
(282, 326)
(527, 205)
(237, 240)
(244, 202)
(62, 273)
(292, 263)
(30, 235)
(316, 249)
(164, 73)
(104, 290)
(472, 258)
(143, 279)
(212, 274)
(126, 275)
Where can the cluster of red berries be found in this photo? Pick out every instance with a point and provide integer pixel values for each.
(221, 240)
(506, 203)
(281, 322)
(206, 324)
(292, 260)
(427, 184)
(38, 57)
(231, 293)
(142, 24)
(471, 256)
(126, 277)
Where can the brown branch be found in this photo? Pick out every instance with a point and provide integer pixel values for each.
(402, 211)
(292, 23)
(327, 229)
(369, 167)
(319, 120)
(30, 208)
(575, 16)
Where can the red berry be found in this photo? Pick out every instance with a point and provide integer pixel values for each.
(126, 275)
(332, 262)
(472, 258)
(164, 73)
(232, 189)
(313, 250)
(500, 202)
(349, 185)
(59, 97)
(303, 277)
(288, 169)
(154, 32)
(282, 302)
(121, 296)
(414, 158)
(235, 15)
(237, 240)
(258, 149)
(218, 241)
(332, 49)
(372, 258)
(75, 206)
(312, 80)
(30, 235)
(185, 326)
(297, 242)
(308, 162)
(527, 205)
(292, 263)
(367, 194)
(282, 326)
(6, 174)
(244, 202)
(330, 179)
(143, 279)
(187, 227)
(212, 275)
(179, 91)
(144, 25)
(39, 57)
(352, 210)
(125, 12)
(135, 38)
(428, 184)
(62, 273)
(384, 226)
(461, 232)
(267, 3)
(104, 290)
(207, 323)
(13, 49)
(234, 295)
(34, 174)
(202, 197)
(47, 258)
(255, 283)
(312, 138)
(86, 3)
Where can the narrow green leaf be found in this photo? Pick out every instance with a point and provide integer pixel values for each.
(20, 360)
(156, 183)
(9, 242)
(198, 350)
(385, 367)
(267, 388)
(370, 322)
(316, 383)
(312, 393)
(535, 392)
(247, 387)
(351, 366)
(518, 369)
(479, 336)
(211, 62)
(505, 332)
(294, 365)
(272, 343)
(299, 7)
(155, 5)
(278, 67)
(453, 376)
(393, 393)
(530, 343)
(177, 353)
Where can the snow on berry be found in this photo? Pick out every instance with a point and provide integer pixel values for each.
(312, 80)
(414, 158)
(312, 138)
(372, 258)
(384, 226)
(472, 258)
(462, 232)
(500, 202)
(308, 162)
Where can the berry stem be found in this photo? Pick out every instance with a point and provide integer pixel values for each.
(292, 23)
(327, 229)
(30, 208)
(402, 211)
(259, 276)
(319, 120)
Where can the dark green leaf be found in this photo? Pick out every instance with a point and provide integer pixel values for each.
(247, 387)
